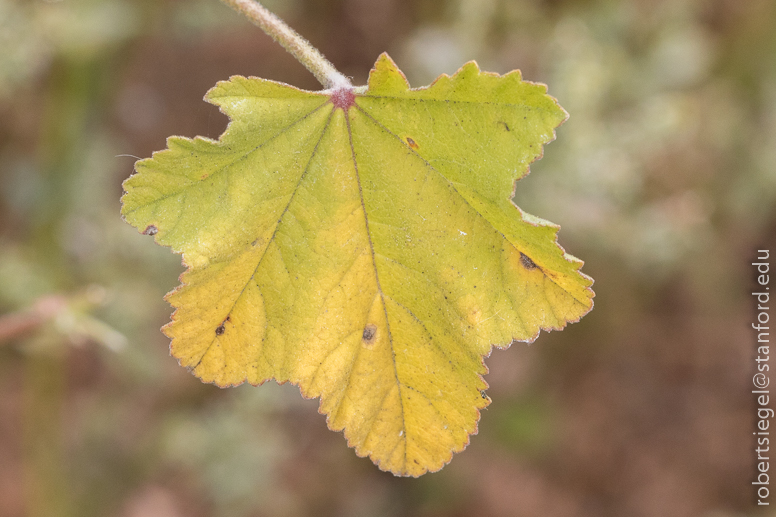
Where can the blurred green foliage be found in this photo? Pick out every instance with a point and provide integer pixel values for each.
(663, 179)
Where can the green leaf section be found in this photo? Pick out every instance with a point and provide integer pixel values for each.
(367, 251)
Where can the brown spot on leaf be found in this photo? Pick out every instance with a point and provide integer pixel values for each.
(412, 143)
(505, 125)
(222, 327)
(370, 331)
(150, 230)
(527, 262)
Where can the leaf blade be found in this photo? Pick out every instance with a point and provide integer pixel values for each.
(372, 256)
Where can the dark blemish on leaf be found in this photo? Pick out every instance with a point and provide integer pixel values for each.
(483, 395)
(527, 262)
(203, 177)
(412, 143)
(370, 331)
(505, 125)
(150, 230)
(222, 327)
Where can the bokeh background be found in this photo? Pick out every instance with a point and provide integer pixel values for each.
(663, 180)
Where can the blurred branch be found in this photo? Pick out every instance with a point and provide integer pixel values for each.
(20, 323)
(70, 316)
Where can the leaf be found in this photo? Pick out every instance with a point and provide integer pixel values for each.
(362, 244)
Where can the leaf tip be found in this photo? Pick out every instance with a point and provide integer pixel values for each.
(385, 73)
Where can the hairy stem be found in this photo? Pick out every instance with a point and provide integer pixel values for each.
(290, 40)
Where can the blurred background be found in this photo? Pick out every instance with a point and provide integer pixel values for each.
(663, 180)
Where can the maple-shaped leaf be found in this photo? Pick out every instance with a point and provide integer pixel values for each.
(363, 245)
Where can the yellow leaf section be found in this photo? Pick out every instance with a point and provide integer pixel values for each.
(370, 256)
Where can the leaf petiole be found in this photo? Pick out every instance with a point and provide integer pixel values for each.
(290, 40)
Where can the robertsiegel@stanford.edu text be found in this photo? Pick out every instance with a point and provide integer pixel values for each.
(761, 378)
